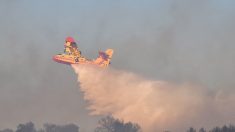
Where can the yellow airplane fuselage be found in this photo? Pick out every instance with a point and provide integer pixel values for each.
(69, 59)
(102, 61)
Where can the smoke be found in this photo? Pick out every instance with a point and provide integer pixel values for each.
(183, 41)
(155, 105)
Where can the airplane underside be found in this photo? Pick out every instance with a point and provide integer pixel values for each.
(69, 59)
(102, 61)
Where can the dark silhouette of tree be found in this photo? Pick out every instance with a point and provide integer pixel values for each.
(6, 130)
(58, 128)
(191, 129)
(110, 124)
(231, 128)
(202, 130)
(28, 127)
(216, 129)
(106, 124)
(225, 128)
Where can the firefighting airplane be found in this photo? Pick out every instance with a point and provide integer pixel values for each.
(72, 55)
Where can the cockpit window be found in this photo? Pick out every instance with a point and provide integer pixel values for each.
(73, 44)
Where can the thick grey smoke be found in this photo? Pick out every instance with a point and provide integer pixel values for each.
(155, 105)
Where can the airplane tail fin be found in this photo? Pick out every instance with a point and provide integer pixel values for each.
(109, 52)
(104, 58)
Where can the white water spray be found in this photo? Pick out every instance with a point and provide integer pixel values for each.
(154, 105)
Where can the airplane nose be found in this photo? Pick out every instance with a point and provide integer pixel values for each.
(54, 57)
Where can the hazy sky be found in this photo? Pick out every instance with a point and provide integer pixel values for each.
(173, 40)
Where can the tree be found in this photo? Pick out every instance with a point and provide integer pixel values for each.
(231, 128)
(28, 127)
(110, 124)
(225, 128)
(57, 128)
(191, 129)
(202, 130)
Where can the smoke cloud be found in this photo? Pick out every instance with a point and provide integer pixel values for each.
(155, 105)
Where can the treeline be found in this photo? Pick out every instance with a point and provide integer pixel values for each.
(29, 127)
(106, 124)
(225, 128)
